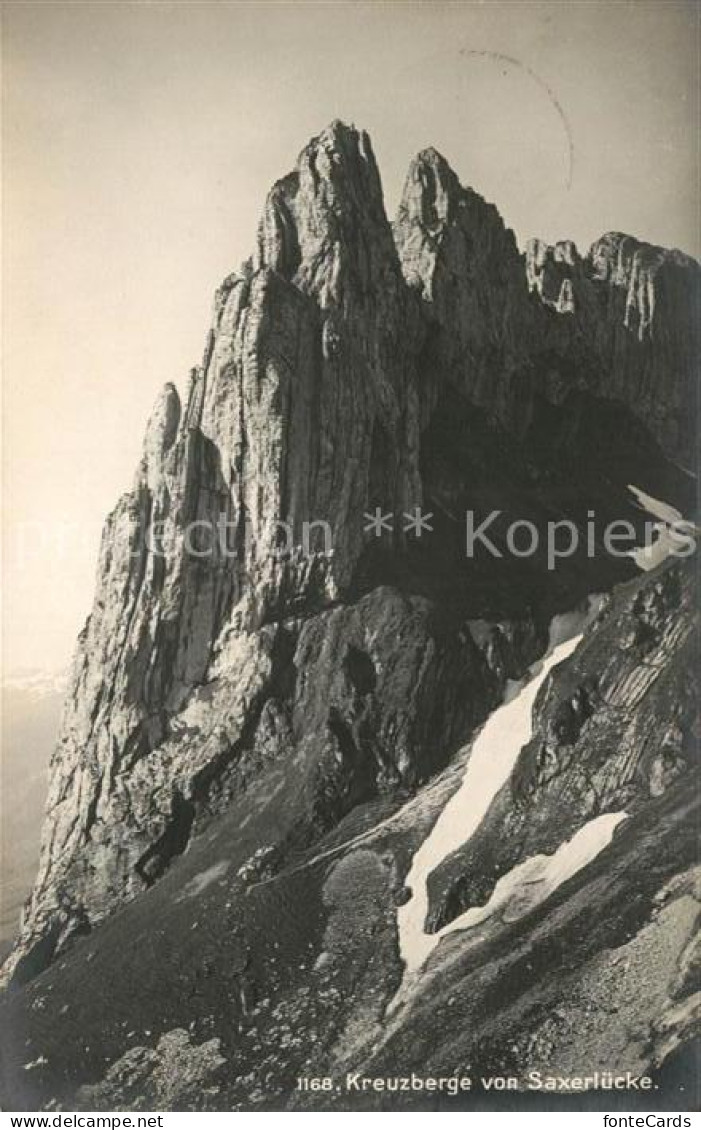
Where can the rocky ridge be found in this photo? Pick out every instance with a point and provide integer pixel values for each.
(339, 359)
(229, 979)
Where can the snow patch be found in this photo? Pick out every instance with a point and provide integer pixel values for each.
(655, 506)
(648, 557)
(531, 882)
(494, 755)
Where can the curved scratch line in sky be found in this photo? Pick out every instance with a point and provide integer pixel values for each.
(544, 86)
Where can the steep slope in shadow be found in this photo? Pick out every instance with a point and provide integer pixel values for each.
(290, 970)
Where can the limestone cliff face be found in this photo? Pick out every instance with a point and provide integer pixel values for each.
(308, 385)
(622, 323)
(549, 272)
(463, 262)
(239, 633)
(626, 315)
(247, 507)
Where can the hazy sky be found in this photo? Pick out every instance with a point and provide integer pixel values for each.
(140, 140)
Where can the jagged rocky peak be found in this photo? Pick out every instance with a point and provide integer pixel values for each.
(461, 259)
(550, 270)
(316, 327)
(432, 191)
(614, 256)
(644, 279)
(652, 277)
(327, 216)
(334, 358)
(161, 433)
(634, 333)
(441, 223)
(303, 413)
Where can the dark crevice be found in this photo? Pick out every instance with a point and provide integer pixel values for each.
(360, 670)
(171, 843)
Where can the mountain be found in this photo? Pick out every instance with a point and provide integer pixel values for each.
(296, 653)
(31, 710)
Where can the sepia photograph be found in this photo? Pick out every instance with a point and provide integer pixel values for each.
(350, 653)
